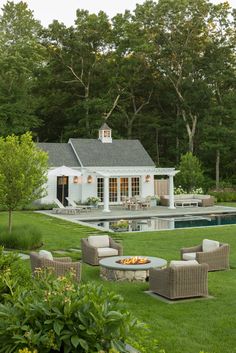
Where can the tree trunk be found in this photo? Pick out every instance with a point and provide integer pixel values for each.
(129, 129)
(157, 147)
(191, 130)
(87, 123)
(177, 150)
(9, 221)
(217, 169)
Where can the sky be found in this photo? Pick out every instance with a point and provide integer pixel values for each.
(64, 10)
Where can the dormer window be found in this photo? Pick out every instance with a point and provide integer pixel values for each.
(105, 134)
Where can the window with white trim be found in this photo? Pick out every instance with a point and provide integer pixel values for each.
(100, 188)
(113, 189)
(135, 188)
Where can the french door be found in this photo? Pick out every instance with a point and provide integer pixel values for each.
(118, 188)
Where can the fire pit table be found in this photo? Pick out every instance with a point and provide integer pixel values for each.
(112, 269)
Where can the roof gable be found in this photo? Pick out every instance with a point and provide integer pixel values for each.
(119, 153)
(59, 154)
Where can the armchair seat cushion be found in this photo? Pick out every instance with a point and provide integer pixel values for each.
(209, 245)
(189, 256)
(183, 263)
(99, 241)
(102, 252)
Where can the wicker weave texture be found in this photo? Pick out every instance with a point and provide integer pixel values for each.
(90, 253)
(60, 265)
(217, 259)
(180, 282)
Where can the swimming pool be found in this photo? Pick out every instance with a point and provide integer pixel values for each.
(164, 223)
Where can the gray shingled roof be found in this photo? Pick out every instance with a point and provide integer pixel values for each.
(119, 153)
(105, 127)
(60, 154)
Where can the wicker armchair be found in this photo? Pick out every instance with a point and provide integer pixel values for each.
(60, 265)
(90, 253)
(217, 259)
(180, 282)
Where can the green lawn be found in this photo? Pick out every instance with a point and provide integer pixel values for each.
(187, 327)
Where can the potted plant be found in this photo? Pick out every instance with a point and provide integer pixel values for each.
(93, 201)
(154, 200)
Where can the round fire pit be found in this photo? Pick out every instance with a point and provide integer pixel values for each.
(112, 269)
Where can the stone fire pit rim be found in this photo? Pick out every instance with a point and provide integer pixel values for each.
(111, 262)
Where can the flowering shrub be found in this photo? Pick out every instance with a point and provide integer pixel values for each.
(64, 316)
(197, 191)
(12, 273)
(93, 200)
(179, 190)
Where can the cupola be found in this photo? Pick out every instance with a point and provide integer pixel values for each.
(105, 134)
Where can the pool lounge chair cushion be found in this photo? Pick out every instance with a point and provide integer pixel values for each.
(104, 252)
(189, 256)
(209, 245)
(99, 241)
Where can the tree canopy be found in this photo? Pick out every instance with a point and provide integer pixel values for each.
(164, 74)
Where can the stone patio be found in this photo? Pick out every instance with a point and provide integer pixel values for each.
(118, 213)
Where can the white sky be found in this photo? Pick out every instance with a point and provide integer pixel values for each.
(64, 10)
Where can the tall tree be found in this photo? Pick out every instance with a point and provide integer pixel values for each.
(79, 56)
(20, 55)
(220, 70)
(23, 169)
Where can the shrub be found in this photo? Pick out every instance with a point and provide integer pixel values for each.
(61, 315)
(12, 273)
(25, 237)
(224, 196)
(39, 206)
(93, 200)
(191, 174)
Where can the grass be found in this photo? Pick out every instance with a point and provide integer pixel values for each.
(187, 327)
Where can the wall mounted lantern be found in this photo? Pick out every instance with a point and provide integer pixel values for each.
(89, 179)
(147, 178)
(76, 180)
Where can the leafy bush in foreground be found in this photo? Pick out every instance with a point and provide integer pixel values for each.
(64, 316)
(25, 237)
(12, 273)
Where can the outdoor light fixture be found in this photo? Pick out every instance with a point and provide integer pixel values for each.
(89, 179)
(147, 178)
(76, 180)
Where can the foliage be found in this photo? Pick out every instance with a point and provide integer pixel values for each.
(39, 206)
(145, 343)
(165, 321)
(12, 273)
(191, 174)
(62, 315)
(23, 170)
(93, 200)
(24, 237)
(21, 55)
(224, 196)
(120, 225)
(178, 190)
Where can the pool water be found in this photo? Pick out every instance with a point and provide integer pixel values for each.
(162, 223)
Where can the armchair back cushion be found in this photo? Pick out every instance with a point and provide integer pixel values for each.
(209, 245)
(44, 254)
(99, 241)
